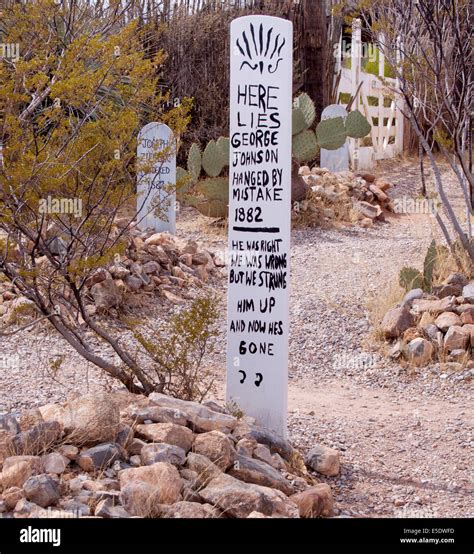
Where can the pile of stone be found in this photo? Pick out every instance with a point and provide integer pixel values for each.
(438, 326)
(154, 263)
(360, 197)
(120, 455)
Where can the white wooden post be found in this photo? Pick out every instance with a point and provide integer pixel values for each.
(356, 68)
(259, 218)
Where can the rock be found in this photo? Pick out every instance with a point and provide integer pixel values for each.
(133, 283)
(447, 304)
(469, 328)
(157, 414)
(262, 452)
(468, 292)
(314, 502)
(171, 297)
(446, 320)
(157, 239)
(397, 349)
(411, 295)
(119, 271)
(17, 469)
(53, 412)
(459, 355)
(26, 509)
(69, 451)
(245, 429)
(135, 461)
(366, 223)
(6, 445)
(419, 352)
(433, 332)
(167, 432)
(135, 447)
(412, 333)
(447, 290)
(237, 499)
(106, 294)
(217, 447)
(379, 194)
(98, 276)
(203, 467)
(38, 439)
(456, 279)
(304, 170)
(151, 267)
(367, 210)
(12, 496)
(189, 510)
(467, 316)
(91, 419)
(456, 337)
(106, 509)
(396, 321)
(143, 489)
(29, 419)
(161, 452)
(43, 490)
(369, 177)
(383, 184)
(54, 463)
(200, 417)
(201, 258)
(324, 460)
(254, 471)
(10, 424)
(98, 457)
(245, 447)
(124, 435)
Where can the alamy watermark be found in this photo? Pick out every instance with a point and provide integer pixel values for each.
(349, 361)
(10, 51)
(345, 50)
(408, 205)
(8, 362)
(51, 205)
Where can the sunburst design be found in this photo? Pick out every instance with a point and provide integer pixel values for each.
(261, 49)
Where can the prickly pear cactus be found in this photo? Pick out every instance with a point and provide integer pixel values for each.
(298, 121)
(216, 197)
(304, 103)
(212, 160)
(331, 133)
(305, 146)
(223, 144)
(410, 278)
(429, 265)
(194, 162)
(357, 125)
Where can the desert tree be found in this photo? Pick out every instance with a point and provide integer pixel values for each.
(428, 43)
(71, 106)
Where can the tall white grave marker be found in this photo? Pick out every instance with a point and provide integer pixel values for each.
(259, 217)
(158, 187)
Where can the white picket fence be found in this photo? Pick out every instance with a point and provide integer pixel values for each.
(387, 129)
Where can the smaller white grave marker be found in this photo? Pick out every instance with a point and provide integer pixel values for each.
(158, 187)
(335, 160)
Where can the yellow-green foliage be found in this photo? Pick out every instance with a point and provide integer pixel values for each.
(71, 109)
(178, 350)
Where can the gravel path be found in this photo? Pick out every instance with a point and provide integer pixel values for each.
(406, 438)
